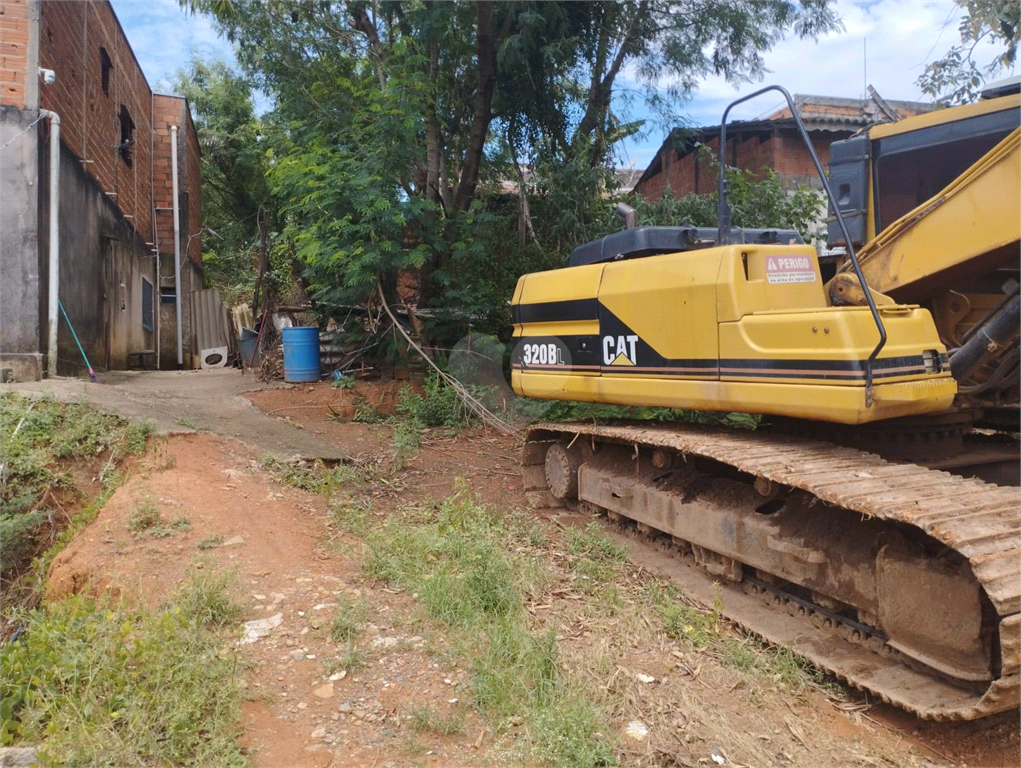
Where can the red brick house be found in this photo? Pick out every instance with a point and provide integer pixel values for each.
(68, 62)
(772, 142)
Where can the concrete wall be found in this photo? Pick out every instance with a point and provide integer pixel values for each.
(20, 332)
(102, 262)
(110, 228)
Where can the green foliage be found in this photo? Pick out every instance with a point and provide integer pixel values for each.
(439, 406)
(957, 78)
(145, 518)
(566, 410)
(50, 434)
(105, 684)
(347, 381)
(390, 142)
(427, 719)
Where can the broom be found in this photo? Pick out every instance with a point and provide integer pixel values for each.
(92, 373)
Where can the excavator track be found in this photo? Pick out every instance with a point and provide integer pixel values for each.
(623, 470)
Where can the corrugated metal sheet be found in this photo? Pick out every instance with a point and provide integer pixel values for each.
(210, 321)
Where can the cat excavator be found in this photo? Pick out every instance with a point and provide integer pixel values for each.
(872, 521)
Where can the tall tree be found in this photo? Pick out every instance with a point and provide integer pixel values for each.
(401, 118)
(235, 192)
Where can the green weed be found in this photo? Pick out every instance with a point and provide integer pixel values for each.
(407, 436)
(457, 560)
(347, 620)
(145, 518)
(439, 406)
(351, 516)
(426, 719)
(108, 684)
(205, 597)
(38, 438)
(316, 477)
(350, 658)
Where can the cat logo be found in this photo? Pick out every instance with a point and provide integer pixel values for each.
(620, 350)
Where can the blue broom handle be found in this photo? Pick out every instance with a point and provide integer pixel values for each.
(64, 312)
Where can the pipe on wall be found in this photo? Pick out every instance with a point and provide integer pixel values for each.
(177, 246)
(54, 282)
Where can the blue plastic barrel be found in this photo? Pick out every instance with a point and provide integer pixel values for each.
(301, 354)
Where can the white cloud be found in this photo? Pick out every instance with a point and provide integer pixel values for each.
(885, 44)
(164, 37)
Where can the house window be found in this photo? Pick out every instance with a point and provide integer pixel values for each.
(147, 305)
(127, 135)
(107, 65)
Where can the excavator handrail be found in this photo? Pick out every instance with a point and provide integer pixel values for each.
(723, 215)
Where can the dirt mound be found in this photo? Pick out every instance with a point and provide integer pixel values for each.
(209, 492)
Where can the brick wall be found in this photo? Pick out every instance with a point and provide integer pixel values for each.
(76, 39)
(783, 151)
(753, 153)
(14, 24)
(169, 111)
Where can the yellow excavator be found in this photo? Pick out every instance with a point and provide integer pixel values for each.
(872, 523)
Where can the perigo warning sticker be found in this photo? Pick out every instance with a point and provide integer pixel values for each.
(790, 269)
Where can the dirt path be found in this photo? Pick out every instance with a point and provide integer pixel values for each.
(291, 559)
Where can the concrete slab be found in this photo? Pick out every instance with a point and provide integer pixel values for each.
(188, 401)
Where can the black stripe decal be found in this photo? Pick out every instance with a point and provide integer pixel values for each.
(555, 311)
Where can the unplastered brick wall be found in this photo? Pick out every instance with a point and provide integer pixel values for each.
(782, 151)
(169, 111)
(103, 100)
(14, 24)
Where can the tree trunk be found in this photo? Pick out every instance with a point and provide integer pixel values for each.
(483, 112)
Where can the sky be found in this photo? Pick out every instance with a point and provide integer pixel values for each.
(885, 43)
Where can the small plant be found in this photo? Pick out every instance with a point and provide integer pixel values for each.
(439, 406)
(426, 719)
(407, 438)
(145, 518)
(350, 658)
(366, 414)
(347, 620)
(205, 599)
(345, 381)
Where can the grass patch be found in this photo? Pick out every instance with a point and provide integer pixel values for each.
(41, 440)
(146, 520)
(351, 516)
(106, 684)
(407, 436)
(316, 477)
(461, 562)
(706, 630)
(428, 720)
(349, 659)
